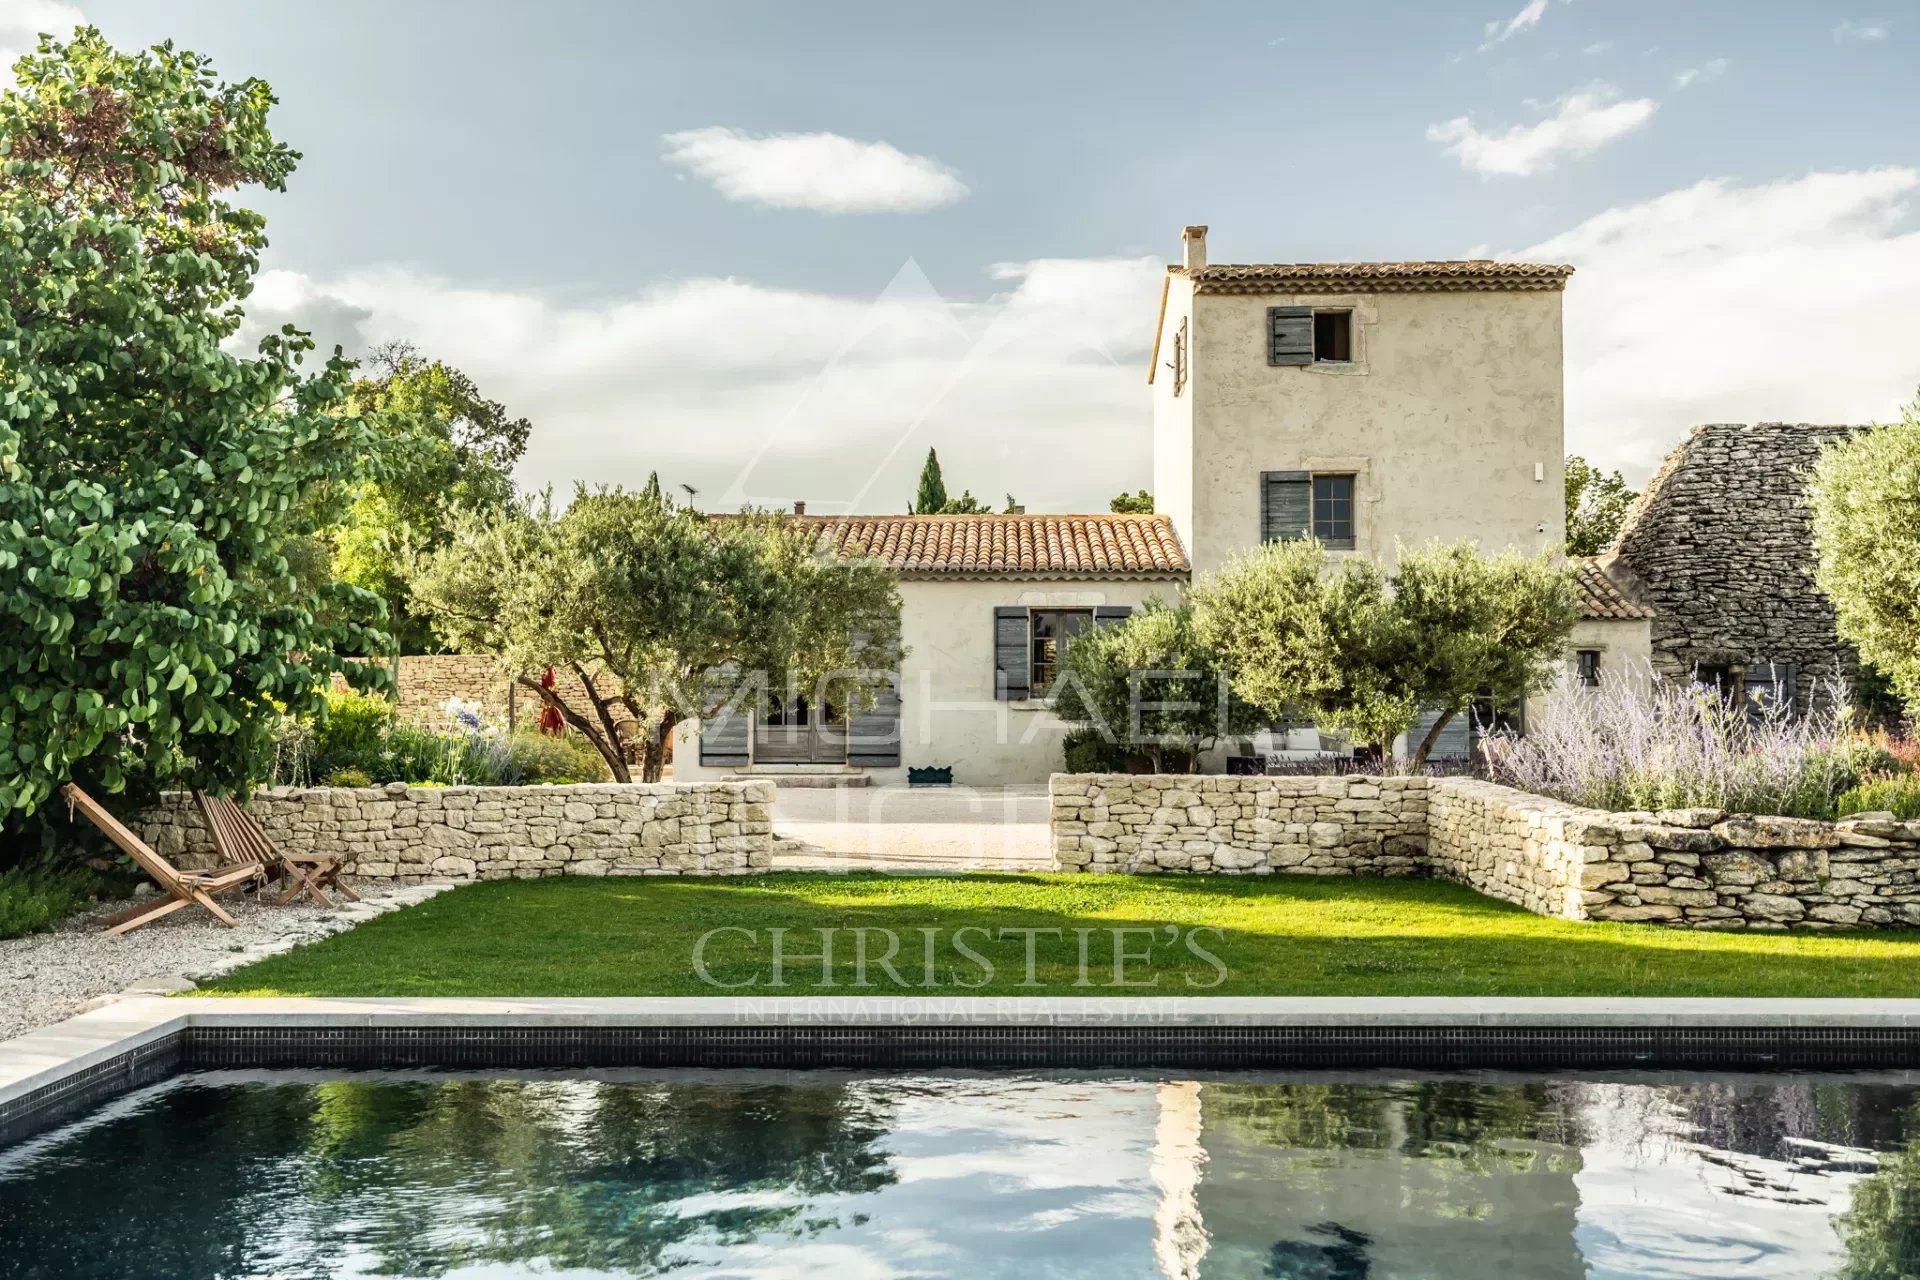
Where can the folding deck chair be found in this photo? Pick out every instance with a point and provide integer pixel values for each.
(181, 888)
(242, 841)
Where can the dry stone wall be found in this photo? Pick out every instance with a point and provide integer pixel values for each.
(405, 834)
(1693, 868)
(1178, 822)
(1723, 549)
(424, 682)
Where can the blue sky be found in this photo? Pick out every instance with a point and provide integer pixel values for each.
(778, 250)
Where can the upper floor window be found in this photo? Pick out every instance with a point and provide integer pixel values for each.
(1332, 337)
(1303, 335)
(1300, 504)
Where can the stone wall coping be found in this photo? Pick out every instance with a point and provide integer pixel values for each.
(44, 1057)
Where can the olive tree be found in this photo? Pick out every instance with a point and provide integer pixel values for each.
(1149, 685)
(1356, 648)
(660, 613)
(1865, 496)
(152, 624)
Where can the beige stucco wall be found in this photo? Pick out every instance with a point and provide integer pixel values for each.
(948, 714)
(1626, 655)
(1450, 403)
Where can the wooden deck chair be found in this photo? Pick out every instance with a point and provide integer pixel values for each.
(242, 841)
(181, 888)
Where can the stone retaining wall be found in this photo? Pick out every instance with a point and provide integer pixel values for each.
(407, 834)
(1177, 822)
(1698, 868)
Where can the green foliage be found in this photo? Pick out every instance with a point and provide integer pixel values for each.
(442, 448)
(38, 896)
(1349, 647)
(931, 497)
(1899, 796)
(662, 613)
(1597, 504)
(351, 726)
(1865, 496)
(1148, 685)
(1087, 750)
(1132, 504)
(347, 777)
(153, 482)
(542, 759)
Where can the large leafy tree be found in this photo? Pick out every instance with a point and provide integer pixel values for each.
(1352, 647)
(661, 613)
(444, 448)
(1597, 503)
(1865, 496)
(151, 623)
(1148, 685)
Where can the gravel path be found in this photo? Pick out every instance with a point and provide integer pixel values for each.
(45, 977)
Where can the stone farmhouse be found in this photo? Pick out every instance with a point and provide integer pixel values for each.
(1369, 405)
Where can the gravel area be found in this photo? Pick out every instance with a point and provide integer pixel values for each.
(45, 977)
(898, 828)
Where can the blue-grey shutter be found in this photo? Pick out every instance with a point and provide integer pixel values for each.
(1105, 615)
(873, 735)
(1286, 505)
(1012, 653)
(1455, 741)
(1289, 335)
(723, 741)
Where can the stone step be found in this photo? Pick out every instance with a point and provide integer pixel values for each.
(804, 776)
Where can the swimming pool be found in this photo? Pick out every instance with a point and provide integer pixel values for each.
(255, 1174)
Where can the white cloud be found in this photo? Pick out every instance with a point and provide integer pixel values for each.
(820, 171)
(1582, 122)
(1525, 20)
(1851, 31)
(1711, 69)
(1720, 303)
(1597, 48)
(760, 394)
(23, 21)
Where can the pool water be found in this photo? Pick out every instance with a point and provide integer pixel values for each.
(1355, 1177)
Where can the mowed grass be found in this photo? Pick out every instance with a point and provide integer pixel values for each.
(577, 936)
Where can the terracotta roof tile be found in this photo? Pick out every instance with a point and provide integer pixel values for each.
(1473, 274)
(1023, 546)
(1608, 590)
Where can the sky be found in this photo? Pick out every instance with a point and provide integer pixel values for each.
(778, 251)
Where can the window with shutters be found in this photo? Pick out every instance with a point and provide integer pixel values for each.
(1180, 358)
(1332, 337)
(1587, 667)
(1302, 504)
(1052, 631)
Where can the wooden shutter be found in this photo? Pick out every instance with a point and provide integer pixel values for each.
(1105, 615)
(1286, 505)
(1289, 335)
(1012, 655)
(873, 736)
(1455, 741)
(723, 741)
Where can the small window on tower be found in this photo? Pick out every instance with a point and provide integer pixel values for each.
(1332, 337)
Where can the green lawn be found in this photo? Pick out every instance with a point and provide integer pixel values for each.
(1276, 936)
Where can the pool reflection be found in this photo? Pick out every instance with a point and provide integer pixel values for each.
(760, 1174)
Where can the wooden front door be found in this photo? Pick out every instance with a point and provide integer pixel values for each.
(794, 731)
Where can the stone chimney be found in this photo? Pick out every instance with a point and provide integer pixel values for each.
(799, 507)
(1195, 239)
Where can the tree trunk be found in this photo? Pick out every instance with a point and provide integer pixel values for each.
(653, 750)
(1419, 760)
(607, 744)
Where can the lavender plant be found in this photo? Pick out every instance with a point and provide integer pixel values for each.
(1668, 744)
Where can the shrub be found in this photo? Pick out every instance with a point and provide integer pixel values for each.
(37, 897)
(1671, 746)
(347, 778)
(1089, 751)
(1899, 796)
(354, 728)
(542, 759)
